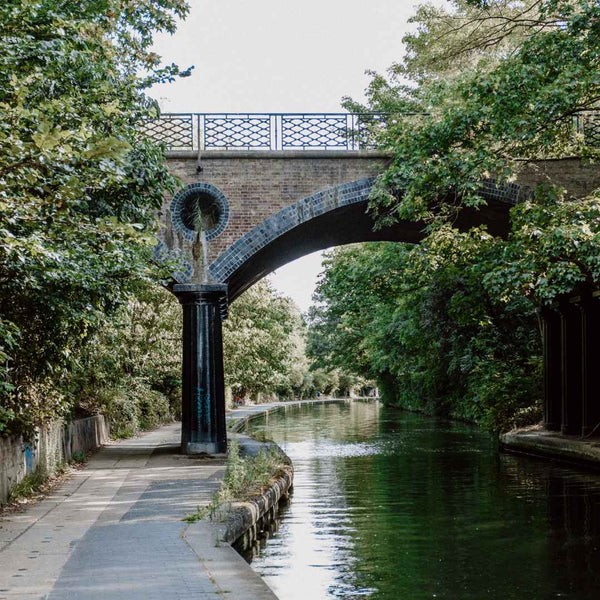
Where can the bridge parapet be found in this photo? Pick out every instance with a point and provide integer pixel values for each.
(267, 131)
(280, 132)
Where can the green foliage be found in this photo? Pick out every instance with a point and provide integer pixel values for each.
(494, 81)
(450, 326)
(262, 339)
(248, 476)
(552, 250)
(419, 321)
(130, 370)
(79, 184)
(30, 484)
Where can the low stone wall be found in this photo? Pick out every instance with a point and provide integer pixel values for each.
(54, 445)
(242, 519)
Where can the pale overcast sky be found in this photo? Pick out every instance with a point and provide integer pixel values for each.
(281, 56)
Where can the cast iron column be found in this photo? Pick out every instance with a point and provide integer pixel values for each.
(551, 331)
(572, 366)
(591, 361)
(203, 388)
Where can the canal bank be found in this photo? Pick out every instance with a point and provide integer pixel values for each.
(536, 441)
(244, 521)
(116, 531)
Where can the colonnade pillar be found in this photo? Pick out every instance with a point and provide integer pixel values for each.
(203, 426)
(571, 340)
(552, 340)
(572, 366)
(591, 364)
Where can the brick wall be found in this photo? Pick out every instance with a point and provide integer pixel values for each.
(258, 186)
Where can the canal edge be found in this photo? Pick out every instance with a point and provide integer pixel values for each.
(212, 541)
(549, 445)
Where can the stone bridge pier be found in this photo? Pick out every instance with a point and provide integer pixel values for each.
(259, 191)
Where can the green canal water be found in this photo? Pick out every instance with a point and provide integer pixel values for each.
(393, 505)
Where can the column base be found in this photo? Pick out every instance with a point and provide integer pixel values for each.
(202, 448)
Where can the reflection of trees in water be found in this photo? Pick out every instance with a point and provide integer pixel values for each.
(467, 522)
(354, 421)
(572, 512)
(431, 508)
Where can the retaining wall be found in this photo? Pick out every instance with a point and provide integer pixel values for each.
(54, 445)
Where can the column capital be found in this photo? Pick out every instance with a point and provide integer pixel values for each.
(204, 293)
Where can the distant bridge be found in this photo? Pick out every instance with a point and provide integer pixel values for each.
(270, 188)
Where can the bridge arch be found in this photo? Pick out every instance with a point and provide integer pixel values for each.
(336, 216)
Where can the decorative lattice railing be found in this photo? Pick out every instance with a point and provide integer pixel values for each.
(255, 131)
(295, 131)
(587, 123)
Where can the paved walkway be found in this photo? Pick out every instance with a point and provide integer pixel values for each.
(114, 532)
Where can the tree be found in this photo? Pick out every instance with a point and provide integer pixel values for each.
(493, 81)
(79, 184)
(485, 82)
(419, 322)
(257, 339)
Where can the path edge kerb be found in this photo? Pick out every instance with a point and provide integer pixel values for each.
(212, 541)
(555, 446)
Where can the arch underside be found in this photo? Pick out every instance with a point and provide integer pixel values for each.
(335, 217)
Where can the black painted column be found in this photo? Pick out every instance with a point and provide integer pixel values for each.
(203, 388)
(572, 366)
(591, 364)
(552, 342)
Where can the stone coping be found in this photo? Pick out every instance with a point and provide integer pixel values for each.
(550, 444)
(243, 516)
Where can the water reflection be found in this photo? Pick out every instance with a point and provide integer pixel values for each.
(392, 505)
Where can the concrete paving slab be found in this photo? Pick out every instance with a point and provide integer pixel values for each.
(115, 530)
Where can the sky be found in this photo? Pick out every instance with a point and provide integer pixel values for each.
(281, 56)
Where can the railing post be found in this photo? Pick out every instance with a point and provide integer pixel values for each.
(200, 132)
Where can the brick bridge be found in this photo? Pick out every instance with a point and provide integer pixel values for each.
(267, 189)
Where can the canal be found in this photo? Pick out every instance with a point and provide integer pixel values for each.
(393, 505)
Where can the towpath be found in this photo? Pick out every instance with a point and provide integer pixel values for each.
(114, 531)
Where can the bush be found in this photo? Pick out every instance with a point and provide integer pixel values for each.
(132, 410)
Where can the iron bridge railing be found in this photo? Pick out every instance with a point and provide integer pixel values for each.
(295, 131)
(268, 131)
